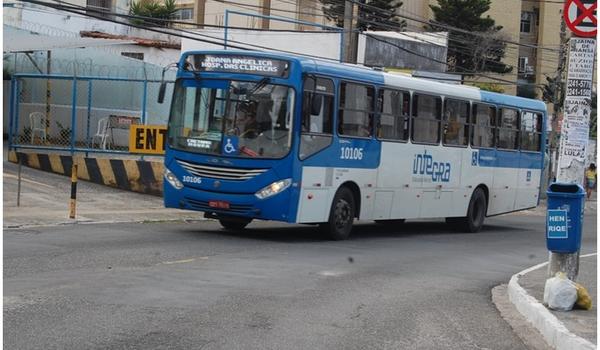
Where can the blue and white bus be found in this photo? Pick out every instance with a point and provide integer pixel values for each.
(255, 135)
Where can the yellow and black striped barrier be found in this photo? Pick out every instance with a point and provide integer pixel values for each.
(126, 174)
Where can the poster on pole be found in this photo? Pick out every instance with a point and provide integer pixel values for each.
(577, 109)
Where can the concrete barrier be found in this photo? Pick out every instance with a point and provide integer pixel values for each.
(126, 174)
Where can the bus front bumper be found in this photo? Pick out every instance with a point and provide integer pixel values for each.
(244, 205)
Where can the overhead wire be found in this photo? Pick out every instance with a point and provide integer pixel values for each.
(74, 9)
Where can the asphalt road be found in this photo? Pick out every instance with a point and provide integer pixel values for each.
(274, 286)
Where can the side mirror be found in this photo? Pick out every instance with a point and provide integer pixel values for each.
(161, 92)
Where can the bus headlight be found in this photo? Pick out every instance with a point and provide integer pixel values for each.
(172, 179)
(273, 188)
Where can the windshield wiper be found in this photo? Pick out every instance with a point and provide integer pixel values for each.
(259, 85)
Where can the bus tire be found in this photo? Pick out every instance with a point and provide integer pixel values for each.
(234, 225)
(473, 222)
(341, 215)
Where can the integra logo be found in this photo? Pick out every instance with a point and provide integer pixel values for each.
(424, 164)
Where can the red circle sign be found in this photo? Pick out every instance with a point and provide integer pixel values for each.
(580, 17)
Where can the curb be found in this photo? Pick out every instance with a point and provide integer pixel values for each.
(554, 332)
(126, 174)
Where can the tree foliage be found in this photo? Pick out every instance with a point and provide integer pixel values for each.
(481, 51)
(548, 91)
(153, 9)
(378, 15)
(489, 87)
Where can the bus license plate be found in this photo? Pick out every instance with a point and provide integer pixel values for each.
(218, 204)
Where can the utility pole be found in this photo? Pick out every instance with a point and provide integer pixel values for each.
(575, 130)
(348, 7)
(199, 8)
(354, 34)
(557, 95)
(266, 11)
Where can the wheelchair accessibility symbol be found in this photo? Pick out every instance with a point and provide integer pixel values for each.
(230, 146)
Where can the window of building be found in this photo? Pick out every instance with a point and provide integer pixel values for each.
(136, 55)
(523, 62)
(356, 110)
(508, 129)
(426, 113)
(456, 123)
(184, 14)
(394, 118)
(526, 22)
(99, 4)
(317, 115)
(105, 5)
(484, 123)
(531, 131)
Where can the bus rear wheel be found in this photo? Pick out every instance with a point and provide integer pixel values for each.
(234, 224)
(473, 222)
(341, 215)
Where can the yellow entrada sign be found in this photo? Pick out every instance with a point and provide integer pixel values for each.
(147, 139)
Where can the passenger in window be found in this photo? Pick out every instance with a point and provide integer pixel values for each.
(364, 131)
(246, 123)
(453, 126)
(249, 126)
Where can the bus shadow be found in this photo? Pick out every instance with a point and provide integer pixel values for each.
(364, 231)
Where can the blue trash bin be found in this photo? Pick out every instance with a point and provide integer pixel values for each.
(564, 217)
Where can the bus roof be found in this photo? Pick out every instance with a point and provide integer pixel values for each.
(368, 75)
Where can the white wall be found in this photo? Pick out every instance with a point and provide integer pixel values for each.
(325, 45)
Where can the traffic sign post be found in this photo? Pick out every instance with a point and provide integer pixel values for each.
(580, 18)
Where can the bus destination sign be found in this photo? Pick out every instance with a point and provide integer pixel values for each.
(239, 64)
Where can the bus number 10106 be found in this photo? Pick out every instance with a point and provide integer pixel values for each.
(351, 153)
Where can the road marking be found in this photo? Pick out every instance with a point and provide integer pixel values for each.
(183, 261)
(331, 273)
(27, 180)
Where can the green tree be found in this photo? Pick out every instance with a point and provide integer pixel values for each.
(548, 91)
(489, 87)
(378, 15)
(481, 51)
(153, 9)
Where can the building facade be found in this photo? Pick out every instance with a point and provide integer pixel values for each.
(533, 24)
(212, 12)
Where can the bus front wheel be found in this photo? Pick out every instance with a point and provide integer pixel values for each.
(341, 215)
(234, 224)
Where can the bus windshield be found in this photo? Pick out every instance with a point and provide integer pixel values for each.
(236, 118)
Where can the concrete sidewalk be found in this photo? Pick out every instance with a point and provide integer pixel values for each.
(45, 201)
(570, 330)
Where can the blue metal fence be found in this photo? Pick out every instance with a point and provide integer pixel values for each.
(64, 113)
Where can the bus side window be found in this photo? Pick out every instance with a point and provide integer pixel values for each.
(484, 123)
(426, 115)
(393, 120)
(456, 122)
(508, 129)
(531, 131)
(317, 116)
(356, 110)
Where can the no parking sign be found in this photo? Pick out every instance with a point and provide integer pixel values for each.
(580, 17)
